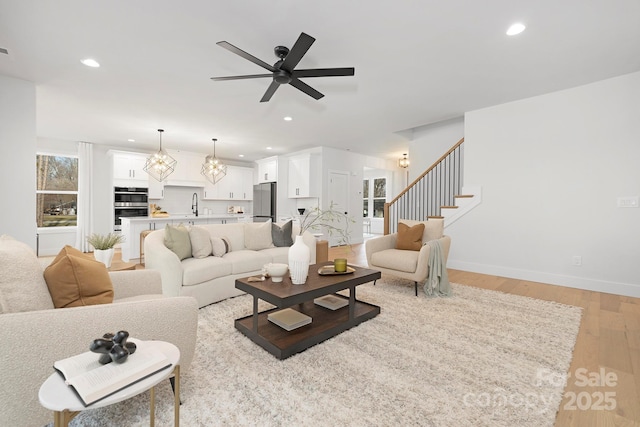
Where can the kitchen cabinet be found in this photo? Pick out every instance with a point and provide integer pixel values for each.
(302, 180)
(156, 188)
(268, 169)
(187, 169)
(128, 170)
(131, 230)
(237, 184)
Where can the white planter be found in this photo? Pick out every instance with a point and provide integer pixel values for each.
(299, 258)
(105, 256)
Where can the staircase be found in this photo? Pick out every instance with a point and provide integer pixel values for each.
(437, 193)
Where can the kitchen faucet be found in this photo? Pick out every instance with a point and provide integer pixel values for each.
(194, 204)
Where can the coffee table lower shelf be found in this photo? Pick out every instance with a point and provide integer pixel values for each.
(325, 324)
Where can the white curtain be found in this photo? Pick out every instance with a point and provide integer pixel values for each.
(85, 195)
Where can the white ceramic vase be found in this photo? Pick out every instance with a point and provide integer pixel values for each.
(299, 258)
(105, 256)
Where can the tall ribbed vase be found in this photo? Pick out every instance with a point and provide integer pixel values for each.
(299, 258)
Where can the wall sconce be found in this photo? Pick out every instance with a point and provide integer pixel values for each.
(403, 162)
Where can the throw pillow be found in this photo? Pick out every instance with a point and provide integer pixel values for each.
(219, 246)
(257, 235)
(177, 239)
(75, 280)
(281, 236)
(409, 238)
(433, 228)
(200, 242)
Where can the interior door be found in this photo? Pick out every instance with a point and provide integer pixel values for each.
(339, 199)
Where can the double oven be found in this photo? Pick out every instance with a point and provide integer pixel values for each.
(130, 202)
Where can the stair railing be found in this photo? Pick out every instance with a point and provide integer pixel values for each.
(434, 188)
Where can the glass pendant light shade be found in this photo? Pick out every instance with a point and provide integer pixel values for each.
(212, 168)
(160, 165)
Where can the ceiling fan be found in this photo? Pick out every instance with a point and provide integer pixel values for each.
(283, 71)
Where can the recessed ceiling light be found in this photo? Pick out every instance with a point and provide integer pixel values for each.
(516, 28)
(240, 155)
(288, 119)
(131, 140)
(268, 148)
(90, 63)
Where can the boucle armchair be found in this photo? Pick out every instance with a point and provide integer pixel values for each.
(33, 334)
(382, 254)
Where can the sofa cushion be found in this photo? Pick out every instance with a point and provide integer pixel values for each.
(277, 254)
(196, 271)
(74, 279)
(177, 240)
(257, 235)
(396, 259)
(200, 242)
(433, 228)
(246, 261)
(281, 235)
(22, 286)
(409, 238)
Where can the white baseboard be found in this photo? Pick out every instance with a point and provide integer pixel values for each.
(627, 289)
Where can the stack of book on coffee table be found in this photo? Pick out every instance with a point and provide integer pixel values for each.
(289, 319)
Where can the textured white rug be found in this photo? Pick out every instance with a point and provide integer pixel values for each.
(479, 357)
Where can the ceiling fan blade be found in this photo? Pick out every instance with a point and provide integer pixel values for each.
(299, 84)
(246, 55)
(325, 72)
(296, 53)
(270, 91)
(253, 76)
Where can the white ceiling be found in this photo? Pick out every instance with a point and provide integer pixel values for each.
(417, 62)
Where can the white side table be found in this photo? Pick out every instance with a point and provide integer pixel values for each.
(61, 399)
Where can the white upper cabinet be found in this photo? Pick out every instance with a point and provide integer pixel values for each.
(128, 170)
(237, 184)
(268, 169)
(302, 179)
(187, 170)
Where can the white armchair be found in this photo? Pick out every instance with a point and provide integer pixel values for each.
(32, 338)
(382, 254)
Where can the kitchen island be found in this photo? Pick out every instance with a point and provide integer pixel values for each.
(133, 226)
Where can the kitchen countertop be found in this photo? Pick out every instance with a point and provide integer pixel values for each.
(183, 216)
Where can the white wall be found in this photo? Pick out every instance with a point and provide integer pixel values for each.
(18, 159)
(430, 142)
(551, 169)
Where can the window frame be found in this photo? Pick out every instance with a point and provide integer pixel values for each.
(371, 199)
(64, 192)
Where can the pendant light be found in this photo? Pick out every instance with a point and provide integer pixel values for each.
(160, 165)
(403, 162)
(212, 168)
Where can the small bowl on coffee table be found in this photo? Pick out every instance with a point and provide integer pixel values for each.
(277, 271)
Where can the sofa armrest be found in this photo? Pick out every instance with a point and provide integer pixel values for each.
(133, 283)
(32, 341)
(160, 258)
(423, 259)
(310, 241)
(378, 244)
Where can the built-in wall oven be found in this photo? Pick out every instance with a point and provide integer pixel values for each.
(130, 202)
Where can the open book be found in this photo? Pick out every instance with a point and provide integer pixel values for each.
(93, 381)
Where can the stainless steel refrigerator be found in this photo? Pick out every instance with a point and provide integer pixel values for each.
(264, 202)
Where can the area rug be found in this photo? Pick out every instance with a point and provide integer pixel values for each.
(478, 357)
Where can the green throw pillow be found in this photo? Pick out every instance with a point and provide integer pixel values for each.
(281, 236)
(177, 239)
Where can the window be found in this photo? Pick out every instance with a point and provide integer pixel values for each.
(374, 199)
(56, 191)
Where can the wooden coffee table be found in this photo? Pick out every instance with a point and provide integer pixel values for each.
(325, 324)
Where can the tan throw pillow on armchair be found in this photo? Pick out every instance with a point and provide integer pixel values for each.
(75, 279)
(409, 238)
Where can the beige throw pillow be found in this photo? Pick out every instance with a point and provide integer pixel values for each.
(177, 239)
(200, 242)
(257, 235)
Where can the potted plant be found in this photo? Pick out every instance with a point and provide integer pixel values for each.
(331, 220)
(103, 246)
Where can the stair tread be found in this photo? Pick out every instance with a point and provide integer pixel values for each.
(464, 195)
(435, 217)
(448, 207)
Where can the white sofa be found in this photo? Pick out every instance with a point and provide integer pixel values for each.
(212, 279)
(33, 335)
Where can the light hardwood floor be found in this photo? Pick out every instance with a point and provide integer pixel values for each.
(608, 341)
